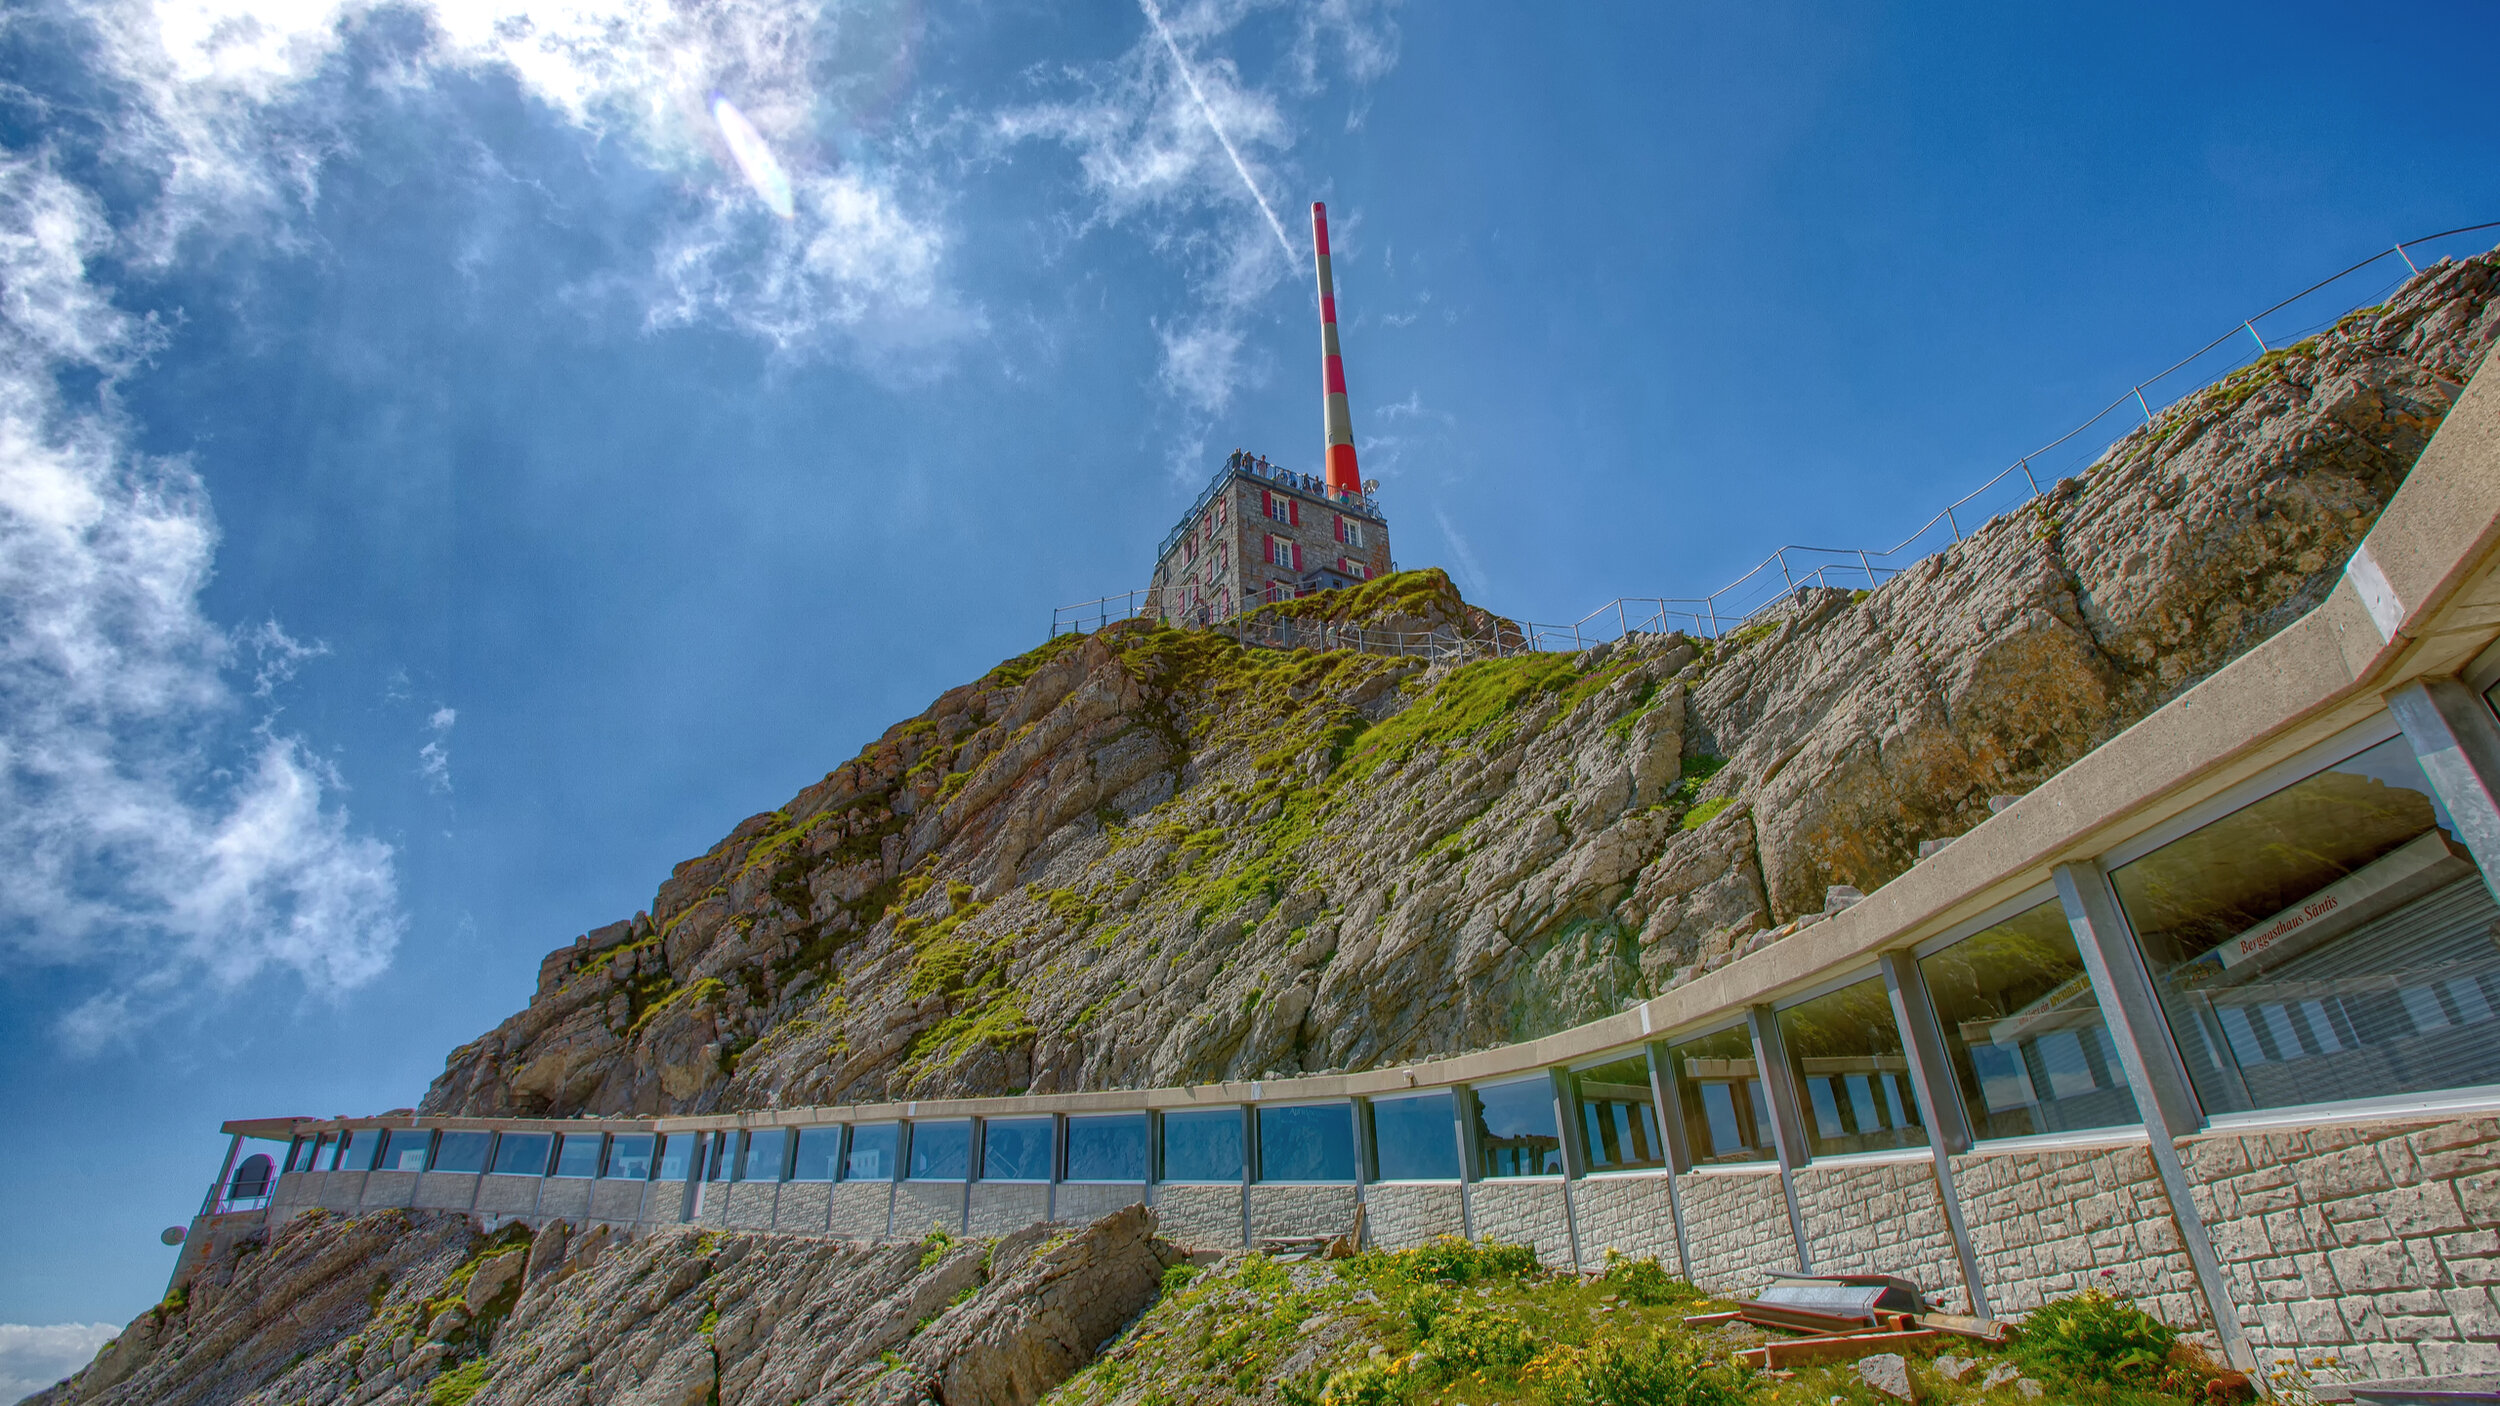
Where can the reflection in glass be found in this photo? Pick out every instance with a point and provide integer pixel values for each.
(1516, 1135)
(2330, 941)
(461, 1152)
(1415, 1137)
(1202, 1145)
(522, 1154)
(677, 1152)
(1851, 1074)
(1618, 1120)
(629, 1157)
(819, 1156)
(1307, 1142)
(722, 1161)
(1015, 1149)
(871, 1154)
(355, 1150)
(760, 1158)
(577, 1155)
(941, 1151)
(1107, 1148)
(1727, 1116)
(2023, 1031)
(403, 1150)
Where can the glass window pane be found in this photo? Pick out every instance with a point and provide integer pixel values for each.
(1516, 1135)
(720, 1156)
(1618, 1119)
(522, 1154)
(577, 1155)
(760, 1159)
(461, 1152)
(629, 1157)
(1415, 1138)
(404, 1150)
(871, 1156)
(1202, 1145)
(1851, 1071)
(1015, 1149)
(676, 1155)
(354, 1152)
(1108, 1148)
(2330, 941)
(819, 1156)
(1307, 1142)
(1726, 1113)
(941, 1151)
(2023, 1031)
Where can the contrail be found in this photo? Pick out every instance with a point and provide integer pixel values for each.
(1154, 16)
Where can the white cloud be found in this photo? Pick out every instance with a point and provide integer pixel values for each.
(434, 758)
(33, 1356)
(1200, 363)
(125, 851)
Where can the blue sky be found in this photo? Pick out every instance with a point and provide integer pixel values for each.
(438, 492)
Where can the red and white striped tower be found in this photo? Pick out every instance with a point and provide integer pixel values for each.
(1343, 476)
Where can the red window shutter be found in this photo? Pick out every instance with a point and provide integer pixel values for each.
(1297, 556)
(1340, 517)
(1293, 511)
(1267, 503)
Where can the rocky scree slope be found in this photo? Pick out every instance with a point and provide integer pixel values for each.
(1152, 856)
(418, 1308)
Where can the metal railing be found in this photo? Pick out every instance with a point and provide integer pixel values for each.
(1778, 578)
(1263, 472)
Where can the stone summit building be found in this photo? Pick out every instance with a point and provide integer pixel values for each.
(1261, 534)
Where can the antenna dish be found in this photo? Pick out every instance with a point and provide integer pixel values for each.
(172, 1235)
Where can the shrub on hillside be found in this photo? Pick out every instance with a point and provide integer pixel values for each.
(2099, 1337)
(1644, 1282)
(1451, 1260)
(1656, 1371)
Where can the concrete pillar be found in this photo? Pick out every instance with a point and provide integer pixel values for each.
(1463, 1102)
(1668, 1098)
(1575, 1153)
(2457, 740)
(1788, 1124)
(1939, 1103)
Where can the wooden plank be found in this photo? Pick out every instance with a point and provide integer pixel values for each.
(1704, 1320)
(1838, 1348)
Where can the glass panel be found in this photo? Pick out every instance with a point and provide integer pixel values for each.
(1727, 1116)
(1415, 1138)
(251, 1178)
(940, 1151)
(1618, 1119)
(2023, 1031)
(1516, 1135)
(724, 1161)
(1015, 1149)
(461, 1152)
(355, 1150)
(1107, 1148)
(403, 1150)
(629, 1157)
(1307, 1142)
(1202, 1145)
(577, 1155)
(760, 1158)
(677, 1155)
(871, 1157)
(522, 1154)
(2330, 941)
(820, 1155)
(1851, 1074)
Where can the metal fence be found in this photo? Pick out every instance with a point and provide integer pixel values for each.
(1790, 569)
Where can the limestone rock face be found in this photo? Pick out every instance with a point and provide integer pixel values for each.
(1152, 856)
(370, 1310)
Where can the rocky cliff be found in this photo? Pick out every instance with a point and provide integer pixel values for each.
(1151, 856)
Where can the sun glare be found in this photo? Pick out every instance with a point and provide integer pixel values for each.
(755, 158)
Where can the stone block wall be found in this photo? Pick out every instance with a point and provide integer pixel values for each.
(1280, 1209)
(1524, 1212)
(445, 1191)
(388, 1189)
(999, 1207)
(2045, 1224)
(1084, 1202)
(343, 1192)
(1631, 1214)
(1736, 1228)
(859, 1210)
(919, 1205)
(617, 1202)
(1401, 1215)
(1883, 1217)
(802, 1209)
(1199, 1217)
(2377, 1245)
(750, 1204)
(507, 1195)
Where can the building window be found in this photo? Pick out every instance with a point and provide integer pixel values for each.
(1015, 1149)
(1353, 568)
(1349, 530)
(522, 1154)
(1516, 1135)
(1727, 1117)
(2331, 941)
(1850, 1071)
(1111, 1147)
(1202, 1145)
(1618, 1119)
(819, 1156)
(2023, 1030)
(577, 1155)
(1285, 553)
(1307, 1142)
(404, 1150)
(871, 1154)
(941, 1151)
(677, 1153)
(355, 1150)
(461, 1152)
(1415, 1137)
(722, 1162)
(629, 1157)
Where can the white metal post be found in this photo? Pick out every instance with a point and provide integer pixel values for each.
(2457, 740)
(1788, 1129)
(1939, 1103)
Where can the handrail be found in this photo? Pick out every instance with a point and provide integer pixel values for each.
(1731, 607)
